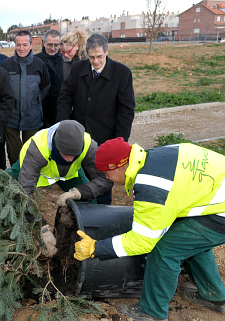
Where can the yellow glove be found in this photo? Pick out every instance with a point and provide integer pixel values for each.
(84, 248)
(73, 193)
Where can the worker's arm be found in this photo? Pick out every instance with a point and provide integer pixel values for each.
(98, 184)
(149, 226)
(31, 168)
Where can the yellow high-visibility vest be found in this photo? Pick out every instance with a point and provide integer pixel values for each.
(170, 182)
(50, 173)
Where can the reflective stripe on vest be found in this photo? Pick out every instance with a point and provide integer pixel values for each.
(221, 214)
(118, 247)
(219, 197)
(52, 180)
(147, 232)
(139, 229)
(72, 172)
(154, 181)
(45, 178)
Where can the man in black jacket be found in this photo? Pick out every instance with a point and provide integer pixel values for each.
(98, 93)
(2, 143)
(52, 58)
(7, 102)
(30, 81)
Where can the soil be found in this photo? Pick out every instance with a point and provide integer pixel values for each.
(65, 267)
(196, 124)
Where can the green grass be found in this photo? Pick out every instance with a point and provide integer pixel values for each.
(196, 74)
(203, 81)
(171, 139)
(158, 100)
(154, 67)
(217, 146)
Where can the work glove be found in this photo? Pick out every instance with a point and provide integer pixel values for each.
(73, 193)
(49, 240)
(84, 248)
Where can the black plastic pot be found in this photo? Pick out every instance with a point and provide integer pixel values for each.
(121, 277)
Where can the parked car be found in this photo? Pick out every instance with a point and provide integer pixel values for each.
(12, 44)
(4, 44)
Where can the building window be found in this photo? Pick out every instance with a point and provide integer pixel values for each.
(139, 34)
(122, 35)
(218, 18)
(198, 19)
(194, 20)
(196, 30)
(198, 9)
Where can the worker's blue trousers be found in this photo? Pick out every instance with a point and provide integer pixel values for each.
(185, 240)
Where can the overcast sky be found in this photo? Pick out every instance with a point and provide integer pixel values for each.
(14, 12)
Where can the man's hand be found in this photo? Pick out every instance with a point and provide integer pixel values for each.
(73, 193)
(84, 248)
(50, 241)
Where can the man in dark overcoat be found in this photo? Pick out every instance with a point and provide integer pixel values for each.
(98, 93)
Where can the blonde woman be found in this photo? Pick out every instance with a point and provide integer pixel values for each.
(72, 47)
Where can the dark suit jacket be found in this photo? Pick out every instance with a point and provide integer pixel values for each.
(104, 105)
(54, 65)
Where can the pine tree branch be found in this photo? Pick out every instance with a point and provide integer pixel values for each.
(17, 253)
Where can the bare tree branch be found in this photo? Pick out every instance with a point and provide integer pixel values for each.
(153, 20)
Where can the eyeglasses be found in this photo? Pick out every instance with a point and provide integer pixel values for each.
(67, 52)
(50, 45)
(97, 57)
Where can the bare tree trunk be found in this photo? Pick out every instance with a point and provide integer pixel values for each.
(153, 21)
(151, 41)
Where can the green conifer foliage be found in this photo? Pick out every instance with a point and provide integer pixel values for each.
(21, 265)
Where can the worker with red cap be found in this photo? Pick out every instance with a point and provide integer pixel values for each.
(185, 182)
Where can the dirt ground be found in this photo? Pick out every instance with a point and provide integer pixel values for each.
(174, 57)
(197, 124)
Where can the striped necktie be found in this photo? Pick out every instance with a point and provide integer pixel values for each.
(95, 73)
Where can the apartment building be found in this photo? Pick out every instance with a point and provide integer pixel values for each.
(101, 25)
(124, 28)
(203, 21)
(169, 29)
(38, 31)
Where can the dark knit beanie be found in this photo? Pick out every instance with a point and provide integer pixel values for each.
(112, 154)
(69, 138)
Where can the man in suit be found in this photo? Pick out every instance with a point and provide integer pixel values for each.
(98, 93)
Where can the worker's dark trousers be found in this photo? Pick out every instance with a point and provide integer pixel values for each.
(185, 239)
(14, 142)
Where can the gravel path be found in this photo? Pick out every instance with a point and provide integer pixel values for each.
(196, 124)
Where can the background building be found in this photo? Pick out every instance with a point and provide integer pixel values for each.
(203, 21)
